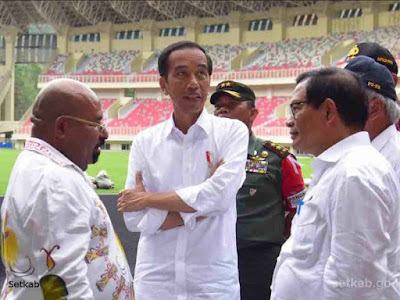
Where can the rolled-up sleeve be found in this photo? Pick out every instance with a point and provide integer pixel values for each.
(149, 220)
(357, 265)
(218, 193)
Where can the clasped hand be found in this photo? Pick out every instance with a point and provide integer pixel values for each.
(133, 199)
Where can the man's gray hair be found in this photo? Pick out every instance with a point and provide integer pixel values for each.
(392, 106)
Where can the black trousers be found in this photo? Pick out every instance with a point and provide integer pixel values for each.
(256, 267)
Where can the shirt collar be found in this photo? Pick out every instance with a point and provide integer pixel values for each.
(332, 155)
(380, 140)
(335, 152)
(203, 121)
(44, 148)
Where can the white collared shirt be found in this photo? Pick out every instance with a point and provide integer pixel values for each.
(198, 260)
(57, 233)
(345, 237)
(388, 144)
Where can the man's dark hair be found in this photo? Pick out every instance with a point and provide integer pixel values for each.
(163, 59)
(343, 87)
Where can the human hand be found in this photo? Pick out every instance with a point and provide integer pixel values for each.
(133, 199)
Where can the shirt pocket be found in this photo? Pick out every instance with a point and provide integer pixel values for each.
(305, 232)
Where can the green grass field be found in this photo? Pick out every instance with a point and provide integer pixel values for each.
(115, 163)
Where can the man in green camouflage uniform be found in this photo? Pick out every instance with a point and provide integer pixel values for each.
(274, 185)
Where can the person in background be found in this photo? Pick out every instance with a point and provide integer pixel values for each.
(346, 232)
(274, 185)
(57, 238)
(380, 55)
(383, 107)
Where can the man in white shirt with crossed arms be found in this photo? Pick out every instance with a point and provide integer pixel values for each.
(183, 199)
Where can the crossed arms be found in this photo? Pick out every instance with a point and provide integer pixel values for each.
(148, 207)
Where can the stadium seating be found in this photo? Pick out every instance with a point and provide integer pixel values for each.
(290, 55)
(266, 111)
(388, 37)
(152, 66)
(269, 55)
(58, 65)
(294, 53)
(146, 112)
(106, 103)
(286, 54)
(222, 55)
(112, 63)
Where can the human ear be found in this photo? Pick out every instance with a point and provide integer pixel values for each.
(330, 109)
(375, 106)
(253, 114)
(163, 85)
(395, 78)
(61, 126)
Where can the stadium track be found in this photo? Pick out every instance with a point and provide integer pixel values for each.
(129, 239)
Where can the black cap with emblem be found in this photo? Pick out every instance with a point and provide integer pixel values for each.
(377, 52)
(236, 90)
(373, 75)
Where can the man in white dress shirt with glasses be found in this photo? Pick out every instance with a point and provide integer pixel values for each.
(345, 234)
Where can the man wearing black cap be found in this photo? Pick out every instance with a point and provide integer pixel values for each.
(378, 53)
(383, 107)
(273, 182)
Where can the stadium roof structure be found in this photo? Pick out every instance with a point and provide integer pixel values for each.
(84, 13)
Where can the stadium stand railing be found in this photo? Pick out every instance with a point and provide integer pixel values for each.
(218, 76)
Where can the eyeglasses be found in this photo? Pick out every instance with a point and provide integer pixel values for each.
(100, 126)
(295, 107)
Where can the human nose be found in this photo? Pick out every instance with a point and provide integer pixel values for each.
(193, 82)
(221, 110)
(290, 121)
(104, 133)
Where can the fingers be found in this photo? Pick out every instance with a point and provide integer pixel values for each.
(121, 193)
(139, 178)
(220, 162)
(121, 204)
(213, 168)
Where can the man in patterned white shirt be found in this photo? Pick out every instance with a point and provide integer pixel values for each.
(186, 212)
(57, 238)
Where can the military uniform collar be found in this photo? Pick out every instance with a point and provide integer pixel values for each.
(203, 122)
(380, 140)
(252, 143)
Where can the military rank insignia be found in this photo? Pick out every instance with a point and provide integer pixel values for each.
(256, 164)
(280, 150)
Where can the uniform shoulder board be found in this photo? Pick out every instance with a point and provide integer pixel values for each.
(276, 148)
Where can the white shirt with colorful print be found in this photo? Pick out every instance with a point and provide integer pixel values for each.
(57, 238)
